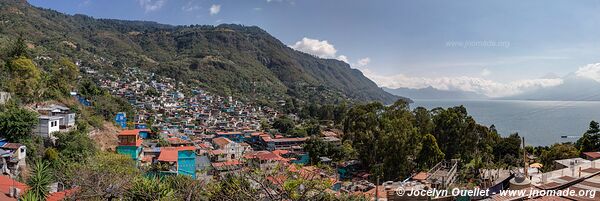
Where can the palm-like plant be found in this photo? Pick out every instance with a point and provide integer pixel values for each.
(29, 196)
(149, 189)
(39, 180)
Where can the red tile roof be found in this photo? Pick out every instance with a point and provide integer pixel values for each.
(296, 139)
(216, 152)
(421, 176)
(170, 154)
(226, 163)
(12, 146)
(281, 152)
(229, 133)
(129, 132)
(58, 196)
(593, 155)
(221, 141)
(175, 140)
(5, 184)
(264, 156)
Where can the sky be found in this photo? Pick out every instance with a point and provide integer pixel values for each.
(497, 48)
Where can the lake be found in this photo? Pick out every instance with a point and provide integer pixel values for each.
(540, 122)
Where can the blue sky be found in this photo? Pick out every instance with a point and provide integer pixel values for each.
(492, 47)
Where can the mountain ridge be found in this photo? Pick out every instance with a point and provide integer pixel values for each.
(237, 60)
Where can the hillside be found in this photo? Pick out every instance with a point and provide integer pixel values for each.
(242, 61)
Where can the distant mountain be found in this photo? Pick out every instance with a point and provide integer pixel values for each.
(433, 93)
(242, 61)
(573, 88)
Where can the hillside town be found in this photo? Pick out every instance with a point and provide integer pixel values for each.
(93, 108)
(206, 137)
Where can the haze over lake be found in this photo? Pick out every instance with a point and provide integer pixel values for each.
(540, 122)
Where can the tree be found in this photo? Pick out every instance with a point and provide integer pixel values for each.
(40, 179)
(75, 145)
(63, 77)
(16, 123)
(590, 141)
(283, 124)
(25, 78)
(316, 148)
(105, 176)
(508, 150)
(557, 152)
(430, 153)
(376, 131)
(186, 188)
(19, 48)
(423, 120)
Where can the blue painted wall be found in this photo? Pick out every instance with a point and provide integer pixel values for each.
(186, 162)
(131, 151)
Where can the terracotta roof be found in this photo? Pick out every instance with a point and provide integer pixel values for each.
(281, 152)
(12, 146)
(551, 198)
(226, 163)
(229, 133)
(266, 138)
(296, 139)
(264, 156)
(256, 134)
(129, 132)
(5, 184)
(593, 155)
(175, 140)
(421, 176)
(216, 152)
(170, 154)
(221, 141)
(57, 196)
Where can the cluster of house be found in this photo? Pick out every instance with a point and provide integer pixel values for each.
(159, 100)
(205, 134)
(52, 118)
(210, 155)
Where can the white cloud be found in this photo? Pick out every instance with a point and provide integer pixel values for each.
(190, 6)
(316, 47)
(151, 5)
(591, 71)
(463, 83)
(485, 72)
(343, 58)
(361, 63)
(215, 9)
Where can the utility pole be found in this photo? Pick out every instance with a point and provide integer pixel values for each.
(525, 166)
(377, 189)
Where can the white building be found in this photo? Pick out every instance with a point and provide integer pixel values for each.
(231, 150)
(47, 126)
(4, 96)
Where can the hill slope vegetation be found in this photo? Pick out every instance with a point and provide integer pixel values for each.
(241, 61)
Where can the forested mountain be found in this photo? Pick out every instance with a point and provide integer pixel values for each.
(242, 61)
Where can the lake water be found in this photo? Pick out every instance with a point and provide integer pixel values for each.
(540, 122)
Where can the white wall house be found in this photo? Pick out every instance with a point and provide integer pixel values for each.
(47, 126)
(231, 150)
(4, 96)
